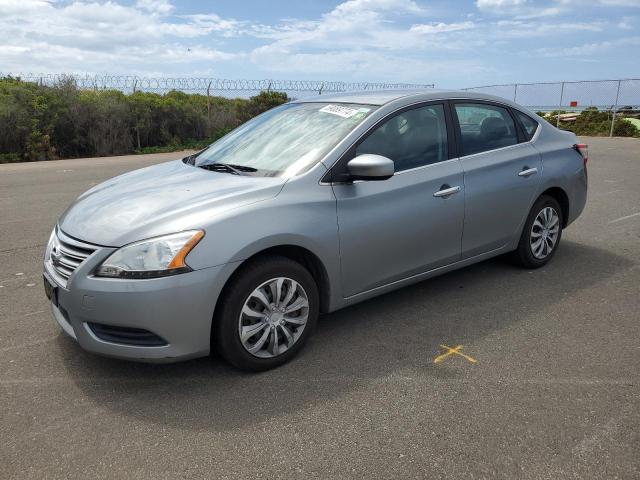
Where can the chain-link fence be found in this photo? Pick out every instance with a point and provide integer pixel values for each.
(608, 95)
(612, 96)
(208, 86)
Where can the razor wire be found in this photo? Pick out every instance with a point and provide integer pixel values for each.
(204, 85)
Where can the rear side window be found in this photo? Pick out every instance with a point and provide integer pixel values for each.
(411, 139)
(529, 125)
(484, 127)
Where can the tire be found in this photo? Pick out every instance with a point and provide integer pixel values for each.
(251, 287)
(525, 255)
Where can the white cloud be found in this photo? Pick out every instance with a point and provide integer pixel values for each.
(548, 8)
(50, 36)
(533, 28)
(363, 39)
(620, 3)
(9, 7)
(626, 23)
(206, 23)
(589, 49)
(441, 27)
(149, 35)
(350, 20)
(521, 9)
(399, 40)
(499, 4)
(361, 65)
(601, 3)
(360, 7)
(161, 7)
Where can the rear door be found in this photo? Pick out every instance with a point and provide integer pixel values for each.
(502, 171)
(392, 229)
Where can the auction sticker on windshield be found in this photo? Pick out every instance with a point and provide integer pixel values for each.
(342, 111)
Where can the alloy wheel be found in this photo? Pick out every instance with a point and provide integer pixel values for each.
(544, 232)
(273, 317)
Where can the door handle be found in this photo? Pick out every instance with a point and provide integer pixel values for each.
(446, 190)
(527, 172)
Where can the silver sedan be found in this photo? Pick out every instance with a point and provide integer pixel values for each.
(312, 206)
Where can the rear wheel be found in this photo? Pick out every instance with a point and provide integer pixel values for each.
(541, 234)
(268, 312)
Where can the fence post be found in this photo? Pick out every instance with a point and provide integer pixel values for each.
(515, 91)
(615, 109)
(209, 103)
(560, 106)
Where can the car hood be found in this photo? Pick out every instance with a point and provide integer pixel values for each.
(165, 198)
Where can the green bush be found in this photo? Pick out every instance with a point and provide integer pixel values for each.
(10, 158)
(63, 121)
(592, 122)
(624, 128)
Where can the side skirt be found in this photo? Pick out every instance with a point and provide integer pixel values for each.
(374, 292)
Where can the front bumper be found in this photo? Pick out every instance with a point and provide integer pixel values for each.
(179, 309)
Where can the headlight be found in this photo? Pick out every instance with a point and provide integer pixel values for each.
(155, 257)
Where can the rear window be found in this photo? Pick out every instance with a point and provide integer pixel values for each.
(484, 127)
(529, 125)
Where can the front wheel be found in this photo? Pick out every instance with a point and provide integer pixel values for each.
(269, 310)
(541, 234)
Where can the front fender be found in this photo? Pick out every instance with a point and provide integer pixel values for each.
(303, 218)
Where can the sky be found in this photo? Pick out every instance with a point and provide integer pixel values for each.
(453, 44)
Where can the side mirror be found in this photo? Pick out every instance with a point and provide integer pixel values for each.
(371, 167)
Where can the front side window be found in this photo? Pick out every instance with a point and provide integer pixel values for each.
(284, 141)
(411, 139)
(484, 127)
(529, 125)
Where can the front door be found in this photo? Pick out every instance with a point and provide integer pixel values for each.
(392, 229)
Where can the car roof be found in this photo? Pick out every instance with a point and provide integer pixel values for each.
(381, 97)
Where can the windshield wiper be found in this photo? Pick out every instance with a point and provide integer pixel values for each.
(228, 168)
(191, 159)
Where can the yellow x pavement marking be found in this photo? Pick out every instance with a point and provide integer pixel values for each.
(453, 351)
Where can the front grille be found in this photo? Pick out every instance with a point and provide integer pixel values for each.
(66, 255)
(126, 335)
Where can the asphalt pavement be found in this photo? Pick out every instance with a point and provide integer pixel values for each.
(554, 391)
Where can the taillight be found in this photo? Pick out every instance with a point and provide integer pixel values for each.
(583, 149)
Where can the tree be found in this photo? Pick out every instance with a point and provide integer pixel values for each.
(43, 122)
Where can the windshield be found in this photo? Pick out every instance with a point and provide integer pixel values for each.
(284, 141)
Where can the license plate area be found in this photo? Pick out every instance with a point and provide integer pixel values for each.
(51, 291)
